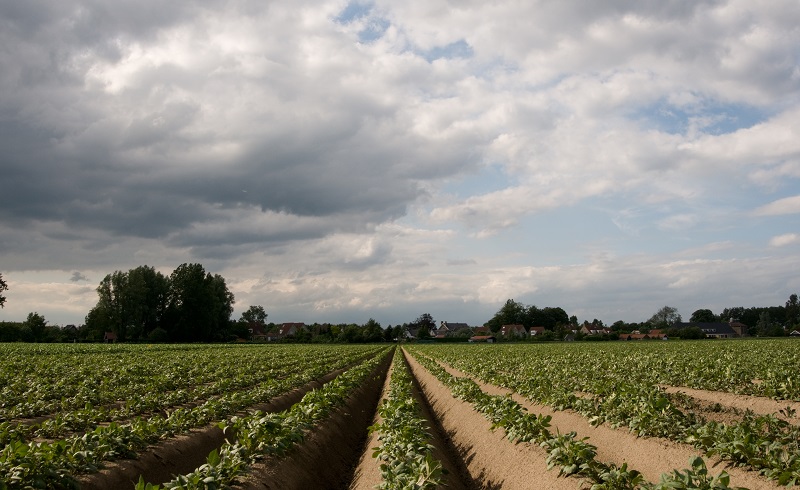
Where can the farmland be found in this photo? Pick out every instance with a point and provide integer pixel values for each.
(653, 415)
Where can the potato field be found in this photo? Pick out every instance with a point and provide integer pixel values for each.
(607, 415)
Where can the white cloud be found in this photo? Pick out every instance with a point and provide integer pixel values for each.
(784, 240)
(306, 161)
(787, 205)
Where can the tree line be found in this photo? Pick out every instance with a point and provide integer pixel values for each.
(142, 304)
(192, 305)
(189, 305)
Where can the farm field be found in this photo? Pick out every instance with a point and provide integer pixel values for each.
(652, 415)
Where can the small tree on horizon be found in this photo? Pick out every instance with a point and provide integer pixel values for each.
(3, 287)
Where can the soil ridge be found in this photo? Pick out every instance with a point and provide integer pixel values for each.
(650, 456)
(329, 456)
(493, 462)
(184, 453)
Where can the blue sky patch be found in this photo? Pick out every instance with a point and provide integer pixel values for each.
(710, 118)
(353, 11)
(489, 179)
(458, 49)
(375, 26)
(374, 30)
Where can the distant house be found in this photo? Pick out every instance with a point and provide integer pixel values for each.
(570, 337)
(257, 331)
(109, 337)
(795, 333)
(537, 331)
(594, 329)
(716, 330)
(738, 327)
(482, 330)
(482, 338)
(634, 336)
(658, 334)
(287, 329)
(450, 329)
(513, 330)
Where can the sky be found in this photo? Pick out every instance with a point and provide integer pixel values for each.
(337, 161)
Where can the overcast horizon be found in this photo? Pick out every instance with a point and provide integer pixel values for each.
(338, 161)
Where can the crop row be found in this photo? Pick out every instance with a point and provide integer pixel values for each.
(154, 401)
(405, 453)
(762, 442)
(260, 434)
(571, 455)
(54, 464)
(33, 383)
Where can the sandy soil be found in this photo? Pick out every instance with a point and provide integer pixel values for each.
(493, 461)
(368, 472)
(328, 457)
(651, 456)
(757, 404)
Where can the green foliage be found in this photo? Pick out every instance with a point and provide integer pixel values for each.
(513, 312)
(190, 305)
(703, 315)
(258, 434)
(37, 325)
(664, 317)
(191, 387)
(3, 288)
(695, 478)
(554, 374)
(406, 456)
(570, 456)
(254, 314)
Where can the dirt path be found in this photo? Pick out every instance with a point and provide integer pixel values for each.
(367, 474)
(756, 404)
(493, 461)
(651, 456)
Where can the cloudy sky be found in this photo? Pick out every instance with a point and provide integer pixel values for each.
(337, 160)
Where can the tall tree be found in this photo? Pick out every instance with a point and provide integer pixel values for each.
(664, 317)
(3, 287)
(555, 316)
(793, 310)
(372, 331)
(254, 314)
(222, 301)
(37, 325)
(425, 323)
(510, 313)
(131, 304)
(199, 305)
(703, 315)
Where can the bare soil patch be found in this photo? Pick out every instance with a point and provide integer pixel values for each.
(650, 456)
(717, 401)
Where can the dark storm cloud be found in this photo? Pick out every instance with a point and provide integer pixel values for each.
(141, 161)
(78, 277)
